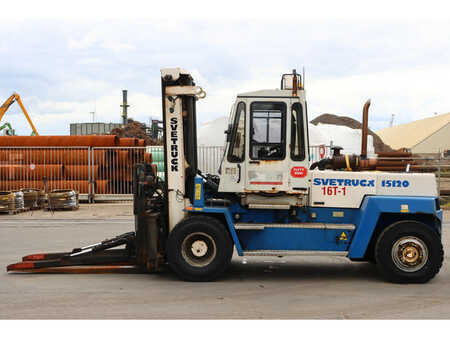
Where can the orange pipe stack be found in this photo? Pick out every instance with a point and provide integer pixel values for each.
(122, 157)
(80, 171)
(30, 172)
(78, 185)
(69, 168)
(60, 141)
(128, 142)
(81, 156)
(395, 161)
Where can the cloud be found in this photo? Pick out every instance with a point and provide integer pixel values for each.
(117, 46)
(410, 94)
(90, 61)
(94, 39)
(63, 70)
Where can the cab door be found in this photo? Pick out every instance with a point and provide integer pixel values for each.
(267, 167)
(298, 148)
(233, 167)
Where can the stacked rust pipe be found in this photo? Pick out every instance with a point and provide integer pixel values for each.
(60, 141)
(26, 160)
(395, 161)
(385, 161)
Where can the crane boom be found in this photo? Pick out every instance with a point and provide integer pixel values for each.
(5, 106)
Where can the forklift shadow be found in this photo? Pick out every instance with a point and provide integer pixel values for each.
(275, 269)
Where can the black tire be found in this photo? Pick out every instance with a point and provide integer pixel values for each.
(199, 249)
(409, 252)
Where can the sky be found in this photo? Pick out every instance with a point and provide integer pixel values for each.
(64, 68)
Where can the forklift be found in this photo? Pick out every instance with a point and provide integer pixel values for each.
(267, 199)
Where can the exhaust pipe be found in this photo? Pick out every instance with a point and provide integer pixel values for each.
(365, 127)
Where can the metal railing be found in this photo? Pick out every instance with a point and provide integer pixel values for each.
(105, 173)
(437, 163)
(37, 167)
(210, 157)
(112, 170)
(319, 152)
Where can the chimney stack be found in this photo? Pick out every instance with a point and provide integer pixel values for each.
(124, 106)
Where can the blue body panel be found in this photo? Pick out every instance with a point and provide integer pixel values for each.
(228, 218)
(364, 219)
(294, 239)
(371, 209)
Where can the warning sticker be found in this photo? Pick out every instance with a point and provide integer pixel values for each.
(198, 191)
(343, 237)
(299, 172)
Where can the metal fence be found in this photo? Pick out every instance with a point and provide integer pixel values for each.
(319, 152)
(437, 163)
(96, 173)
(105, 173)
(35, 167)
(210, 157)
(112, 170)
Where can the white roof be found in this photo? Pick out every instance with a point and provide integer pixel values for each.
(268, 93)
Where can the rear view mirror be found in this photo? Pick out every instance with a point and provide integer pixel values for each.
(228, 132)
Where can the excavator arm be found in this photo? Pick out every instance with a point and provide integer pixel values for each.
(13, 98)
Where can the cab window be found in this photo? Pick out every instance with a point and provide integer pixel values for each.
(237, 145)
(297, 133)
(267, 127)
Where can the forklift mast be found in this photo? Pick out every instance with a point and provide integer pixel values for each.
(179, 95)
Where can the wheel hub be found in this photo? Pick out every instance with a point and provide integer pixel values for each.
(409, 254)
(199, 248)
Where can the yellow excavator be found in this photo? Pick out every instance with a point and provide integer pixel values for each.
(16, 98)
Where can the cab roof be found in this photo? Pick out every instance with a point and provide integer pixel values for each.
(268, 93)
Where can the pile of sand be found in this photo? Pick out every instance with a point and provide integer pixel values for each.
(353, 124)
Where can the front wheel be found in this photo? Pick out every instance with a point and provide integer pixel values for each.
(409, 252)
(199, 249)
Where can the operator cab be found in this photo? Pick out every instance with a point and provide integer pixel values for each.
(267, 142)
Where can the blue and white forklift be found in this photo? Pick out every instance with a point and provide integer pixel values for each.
(267, 199)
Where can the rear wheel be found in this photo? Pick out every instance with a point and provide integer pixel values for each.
(409, 252)
(199, 249)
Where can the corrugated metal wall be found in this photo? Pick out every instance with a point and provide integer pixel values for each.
(94, 128)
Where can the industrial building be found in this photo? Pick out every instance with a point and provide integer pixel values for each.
(99, 128)
(430, 135)
(93, 128)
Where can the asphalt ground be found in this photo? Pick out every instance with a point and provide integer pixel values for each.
(257, 287)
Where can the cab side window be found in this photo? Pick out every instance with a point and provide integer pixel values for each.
(236, 151)
(297, 133)
(268, 125)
